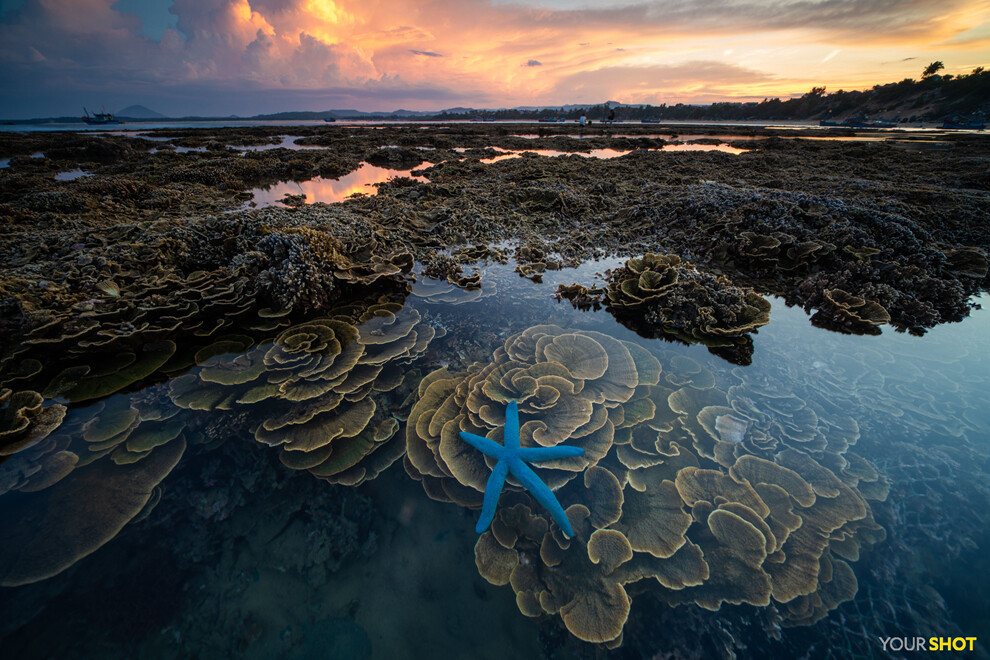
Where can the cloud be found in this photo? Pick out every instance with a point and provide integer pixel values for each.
(698, 81)
(465, 50)
(830, 56)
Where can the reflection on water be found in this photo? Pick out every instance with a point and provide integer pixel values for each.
(611, 153)
(71, 175)
(653, 136)
(844, 136)
(332, 190)
(841, 477)
(724, 148)
(551, 153)
(286, 142)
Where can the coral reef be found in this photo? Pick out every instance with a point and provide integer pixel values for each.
(662, 296)
(53, 528)
(179, 315)
(661, 506)
(312, 389)
(900, 232)
(670, 295)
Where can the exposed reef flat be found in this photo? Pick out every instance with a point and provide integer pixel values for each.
(899, 224)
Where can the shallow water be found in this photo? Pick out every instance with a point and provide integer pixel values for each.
(610, 153)
(887, 136)
(243, 556)
(319, 189)
(71, 175)
(287, 142)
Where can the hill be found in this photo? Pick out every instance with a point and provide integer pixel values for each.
(139, 112)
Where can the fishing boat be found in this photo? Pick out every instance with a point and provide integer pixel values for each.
(329, 120)
(99, 118)
(649, 121)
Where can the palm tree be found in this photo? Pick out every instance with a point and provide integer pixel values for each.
(932, 69)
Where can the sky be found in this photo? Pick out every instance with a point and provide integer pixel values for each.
(246, 57)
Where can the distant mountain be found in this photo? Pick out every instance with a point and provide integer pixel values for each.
(140, 112)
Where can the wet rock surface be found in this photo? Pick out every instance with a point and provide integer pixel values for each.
(902, 230)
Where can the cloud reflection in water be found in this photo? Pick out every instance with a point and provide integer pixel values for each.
(332, 190)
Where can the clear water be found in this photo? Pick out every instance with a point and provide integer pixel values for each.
(245, 557)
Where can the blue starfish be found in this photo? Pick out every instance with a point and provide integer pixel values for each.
(512, 458)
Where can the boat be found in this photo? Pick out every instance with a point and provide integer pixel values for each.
(99, 118)
(329, 120)
(959, 126)
(649, 121)
(550, 120)
(827, 122)
(482, 119)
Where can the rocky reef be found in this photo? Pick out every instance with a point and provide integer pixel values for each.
(826, 225)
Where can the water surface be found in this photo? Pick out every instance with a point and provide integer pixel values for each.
(320, 189)
(243, 553)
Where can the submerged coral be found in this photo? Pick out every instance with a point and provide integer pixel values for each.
(774, 517)
(51, 529)
(312, 389)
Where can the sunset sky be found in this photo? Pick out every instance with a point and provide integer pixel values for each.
(244, 57)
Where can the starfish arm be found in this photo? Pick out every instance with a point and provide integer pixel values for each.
(510, 433)
(492, 491)
(535, 454)
(542, 493)
(484, 445)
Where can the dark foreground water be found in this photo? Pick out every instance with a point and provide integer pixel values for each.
(235, 554)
